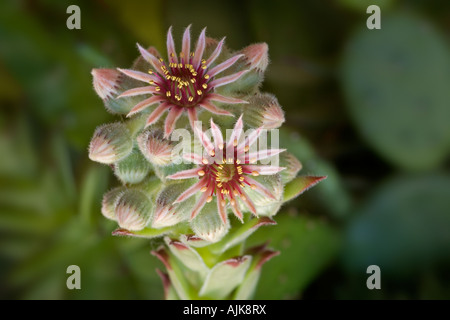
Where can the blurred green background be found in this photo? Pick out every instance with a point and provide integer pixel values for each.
(368, 108)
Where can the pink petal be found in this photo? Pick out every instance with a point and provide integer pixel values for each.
(144, 104)
(138, 75)
(174, 113)
(216, 53)
(237, 132)
(220, 98)
(199, 50)
(150, 58)
(259, 187)
(224, 65)
(248, 202)
(228, 79)
(206, 142)
(201, 201)
(217, 134)
(192, 114)
(191, 191)
(171, 47)
(222, 211)
(263, 154)
(213, 109)
(186, 44)
(194, 158)
(185, 174)
(263, 170)
(237, 212)
(249, 140)
(157, 113)
(138, 91)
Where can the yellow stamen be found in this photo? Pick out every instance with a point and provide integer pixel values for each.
(203, 189)
(201, 173)
(199, 92)
(205, 86)
(246, 148)
(232, 202)
(235, 142)
(253, 186)
(209, 199)
(206, 76)
(255, 173)
(205, 161)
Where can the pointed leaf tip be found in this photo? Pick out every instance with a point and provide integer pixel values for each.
(299, 185)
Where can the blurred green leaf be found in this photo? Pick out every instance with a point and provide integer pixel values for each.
(396, 82)
(402, 228)
(307, 246)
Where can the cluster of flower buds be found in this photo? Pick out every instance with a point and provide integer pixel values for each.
(198, 158)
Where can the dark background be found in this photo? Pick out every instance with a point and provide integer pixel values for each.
(368, 108)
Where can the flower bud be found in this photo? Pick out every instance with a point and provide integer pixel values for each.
(133, 210)
(264, 111)
(111, 143)
(133, 169)
(106, 82)
(257, 56)
(292, 166)
(169, 213)
(208, 225)
(109, 202)
(155, 148)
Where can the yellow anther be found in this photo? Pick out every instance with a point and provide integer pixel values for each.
(203, 67)
(201, 173)
(224, 160)
(221, 146)
(172, 54)
(194, 74)
(230, 160)
(205, 161)
(192, 54)
(235, 142)
(206, 76)
(203, 189)
(203, 61)
(168, 93)
(151, 82)
(253, 186)
(209, 199)
(150, 72)
(241, 179)
(157, 88)
(178, 97)
(199, 92)
(233, 202)
(190, 99)
(235, 193)
(238, 161)
(219, 185)
(205, 86)
(246, 148)
(253, 160)
(192, 80)
(180, 65)
(243, 197)
(212, 153)
(255, 173)
(161, 59)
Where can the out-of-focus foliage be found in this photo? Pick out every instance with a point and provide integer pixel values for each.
(361, 106)
(384, 74)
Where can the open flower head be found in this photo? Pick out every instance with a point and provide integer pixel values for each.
(226, 170)
(184, 83)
